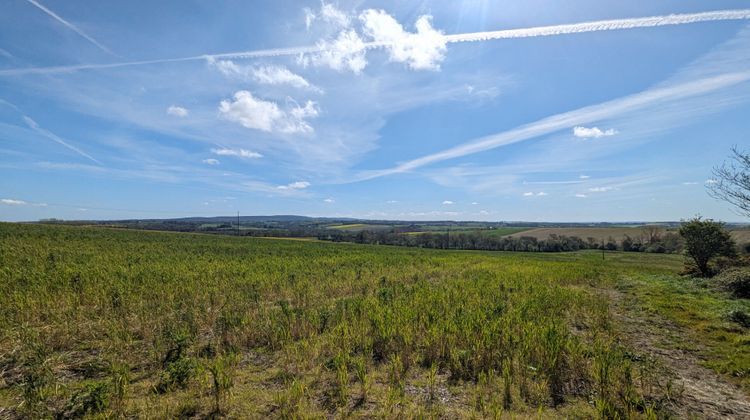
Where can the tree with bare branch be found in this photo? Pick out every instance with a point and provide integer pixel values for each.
(731, 181)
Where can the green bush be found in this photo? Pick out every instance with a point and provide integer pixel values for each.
(739, 316)
(736, 281)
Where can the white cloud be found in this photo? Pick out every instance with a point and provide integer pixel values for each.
(422, 50)
(329, 14)
(448, 203)
(581, 195)
(689, 183)
(242, 153)
(211, 161)
(12, 202)
(267, 75)
(309, 17)
(298, 185)
(474, 203)
(600, 189)
(528, 194)
(177, 111)
(329, 200)
(584, 177)
(541, 194)
(279, 75)
(346, 52)
(592, 132)
(392, 201)
(258, 114)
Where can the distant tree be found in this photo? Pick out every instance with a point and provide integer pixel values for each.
(705, 240)
(731, 181)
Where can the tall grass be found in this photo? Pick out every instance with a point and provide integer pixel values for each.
(286, 328)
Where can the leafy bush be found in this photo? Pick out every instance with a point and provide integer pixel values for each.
(736, 281)
(739, 316)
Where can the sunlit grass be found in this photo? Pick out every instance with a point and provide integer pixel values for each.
(158, 324)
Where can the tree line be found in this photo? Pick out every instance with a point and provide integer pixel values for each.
(657, 242)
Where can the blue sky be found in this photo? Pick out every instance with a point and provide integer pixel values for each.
(382, 109)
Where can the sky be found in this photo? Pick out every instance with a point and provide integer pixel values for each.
(523, 110)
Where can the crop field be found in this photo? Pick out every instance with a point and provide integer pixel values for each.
(103, 322)
(495, 232)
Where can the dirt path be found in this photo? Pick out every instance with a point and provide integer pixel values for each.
(704, 394)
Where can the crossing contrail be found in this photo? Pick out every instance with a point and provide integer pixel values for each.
(70, 26)
(539, 31)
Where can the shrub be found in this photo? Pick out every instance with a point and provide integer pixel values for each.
(739, 316)
(736, 281)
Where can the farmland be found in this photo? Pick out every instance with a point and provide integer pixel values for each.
(155, 324)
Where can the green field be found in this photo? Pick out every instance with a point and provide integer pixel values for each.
(167, 325)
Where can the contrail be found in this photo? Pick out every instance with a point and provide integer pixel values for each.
(70, 26)
(569, 119)
(54, 137)
(602, 25)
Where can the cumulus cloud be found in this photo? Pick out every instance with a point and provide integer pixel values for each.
(584, 177)
(344, 53)
(298, 185)
(211, 161)
(327, 13)
(541, 194)
(258, 114)
(581, 195)
(448, 203)
(600, 189)
(421, 50)
(329, 200)
(474, 203)
(242, 153)
(528, 194)
(592, 132)
(177, 111)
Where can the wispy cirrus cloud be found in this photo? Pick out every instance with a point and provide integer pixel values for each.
(15, 202)
(297, 185)
(177, 111)
(71, 26)
(242, 153)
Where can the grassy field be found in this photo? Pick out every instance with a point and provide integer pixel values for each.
(150, 324)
